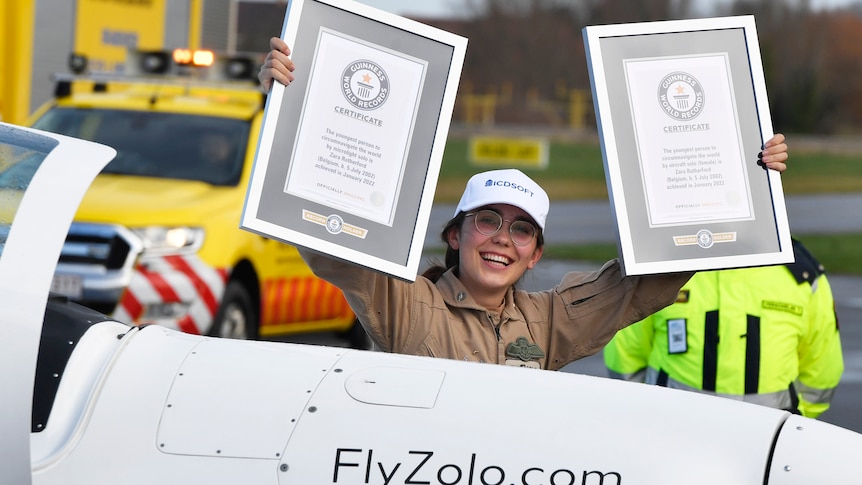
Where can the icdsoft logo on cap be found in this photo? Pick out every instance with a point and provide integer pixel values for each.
(507, 186)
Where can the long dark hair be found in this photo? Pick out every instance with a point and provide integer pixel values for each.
(436, 270)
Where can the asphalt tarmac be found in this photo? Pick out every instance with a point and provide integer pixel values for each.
(587, 221)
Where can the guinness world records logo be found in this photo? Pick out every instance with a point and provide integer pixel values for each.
(365, 85)
(681, 96)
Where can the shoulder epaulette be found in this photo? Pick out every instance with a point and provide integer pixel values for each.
(806, 267)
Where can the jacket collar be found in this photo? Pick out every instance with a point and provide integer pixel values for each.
(456, 295)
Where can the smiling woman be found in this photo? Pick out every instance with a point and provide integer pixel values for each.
(470, 309)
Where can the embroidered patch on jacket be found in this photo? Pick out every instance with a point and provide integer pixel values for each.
(781, 307)
(682, 296)
(524, 350)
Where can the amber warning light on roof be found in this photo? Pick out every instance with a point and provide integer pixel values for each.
(188, 57)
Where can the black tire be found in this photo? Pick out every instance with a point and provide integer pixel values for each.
(236, 317)
(357, 338)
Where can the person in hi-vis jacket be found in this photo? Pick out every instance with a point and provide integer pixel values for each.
(767, 335)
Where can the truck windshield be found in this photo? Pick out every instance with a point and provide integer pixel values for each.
(156, 144)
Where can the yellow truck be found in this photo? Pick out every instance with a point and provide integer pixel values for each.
(157, 238)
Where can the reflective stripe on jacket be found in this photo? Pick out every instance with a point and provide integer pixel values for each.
(756, 334)
(545, 329)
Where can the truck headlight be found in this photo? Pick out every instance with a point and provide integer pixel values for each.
(170, 240)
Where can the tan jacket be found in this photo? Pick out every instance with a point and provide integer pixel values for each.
(544, 329)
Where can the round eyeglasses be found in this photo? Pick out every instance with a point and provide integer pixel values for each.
(489, 223)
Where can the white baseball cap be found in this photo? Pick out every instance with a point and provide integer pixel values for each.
(507, 186)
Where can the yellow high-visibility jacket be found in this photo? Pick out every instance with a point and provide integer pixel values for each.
(767, 335)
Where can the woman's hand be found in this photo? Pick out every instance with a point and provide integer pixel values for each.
(774, 153)
(277, 65)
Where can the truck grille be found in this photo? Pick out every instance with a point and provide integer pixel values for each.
(97, 245)
(104, 257)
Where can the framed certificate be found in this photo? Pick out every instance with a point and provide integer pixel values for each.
(349, 154)
(683, 114)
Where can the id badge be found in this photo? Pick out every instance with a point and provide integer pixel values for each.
(676, 336)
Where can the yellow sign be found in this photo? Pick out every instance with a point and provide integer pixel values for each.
(526, 152)
(105, 29)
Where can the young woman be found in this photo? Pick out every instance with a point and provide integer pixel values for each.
(470, 309)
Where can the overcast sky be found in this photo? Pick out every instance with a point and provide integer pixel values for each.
(418, 8)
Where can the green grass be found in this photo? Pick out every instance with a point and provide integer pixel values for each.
(822, 173)
(595, 252)
(838, 253)
(575, 171)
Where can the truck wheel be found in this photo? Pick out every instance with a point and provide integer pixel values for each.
(357, 338)
(235, 317)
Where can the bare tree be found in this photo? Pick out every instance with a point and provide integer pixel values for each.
(527, 56)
